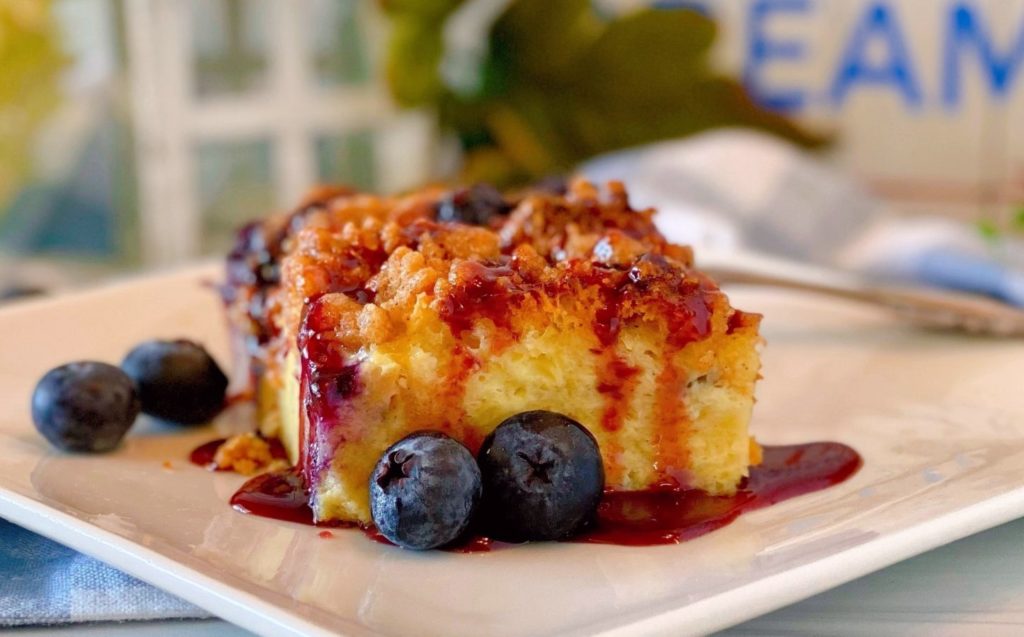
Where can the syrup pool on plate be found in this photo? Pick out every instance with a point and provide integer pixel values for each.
(631, 518)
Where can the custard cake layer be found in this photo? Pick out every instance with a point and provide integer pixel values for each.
(665, 410)
(384, 324)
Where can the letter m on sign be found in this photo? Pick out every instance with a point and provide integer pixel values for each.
(967, 31)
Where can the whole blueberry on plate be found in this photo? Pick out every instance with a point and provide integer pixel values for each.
(84, 406)
(178, 381)
(477, 205)
(543, 477)
(424, 491)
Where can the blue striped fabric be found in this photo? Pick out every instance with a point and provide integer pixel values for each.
(42, 582)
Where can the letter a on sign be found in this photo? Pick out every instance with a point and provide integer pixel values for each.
(879, 24)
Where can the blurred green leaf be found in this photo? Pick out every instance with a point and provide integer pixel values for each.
(30, 66)
(1018, 218)
(647, 56)
(563, 84)
(413, 58)
(540, 41)
(988, 229)
(428, 10)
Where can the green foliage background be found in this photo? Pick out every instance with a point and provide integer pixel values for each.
(561, 83)
(30, 65)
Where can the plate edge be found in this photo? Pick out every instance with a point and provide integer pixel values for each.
(182, 581)
(884, 551)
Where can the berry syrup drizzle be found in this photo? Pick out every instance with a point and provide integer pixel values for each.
(281, 495)
(671, 516)
(629, 518)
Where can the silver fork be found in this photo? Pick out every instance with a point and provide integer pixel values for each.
(925, 307)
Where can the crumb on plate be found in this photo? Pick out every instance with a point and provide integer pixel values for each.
(247, 454)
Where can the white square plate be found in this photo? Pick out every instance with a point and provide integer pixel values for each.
(939, 420)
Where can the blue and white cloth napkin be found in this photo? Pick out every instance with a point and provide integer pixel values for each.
(721, 190)
(45, 583)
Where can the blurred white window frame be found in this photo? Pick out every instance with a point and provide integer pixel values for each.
(171, 120)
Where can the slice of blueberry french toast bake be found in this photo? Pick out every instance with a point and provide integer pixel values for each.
(365, 318)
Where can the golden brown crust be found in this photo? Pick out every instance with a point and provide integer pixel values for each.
(386, 250)
(571, 246)
(571, 226)
(394, 319)
(252, 292)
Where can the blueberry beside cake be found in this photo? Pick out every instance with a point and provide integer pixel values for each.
(364, 319)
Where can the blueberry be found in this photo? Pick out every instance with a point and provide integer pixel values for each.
(552, 185)
(424, 491)
(543, 477)
(477, 205)
(84, 406)
(248, 255)
(178, 381)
